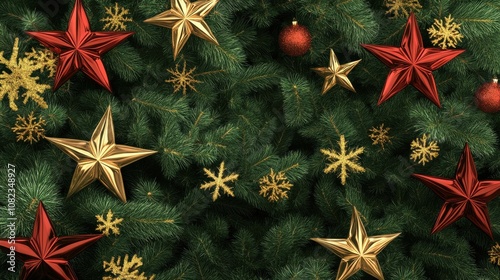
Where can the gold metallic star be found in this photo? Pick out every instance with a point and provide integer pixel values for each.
(100, 158)
(185, 18)
(358, 251)
(336, 73)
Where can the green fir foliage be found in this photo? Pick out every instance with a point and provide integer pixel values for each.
(251, 106)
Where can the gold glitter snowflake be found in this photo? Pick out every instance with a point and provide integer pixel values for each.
(125, 271)
(29, 128)
(108, 224)
(274, 186)
(343, 160)
(423, 151)
(116, 18)
(494, 254)
(20, 77)
(402, 8)
(44, 58)
(219, 182)
(182, 79)
(380, 135)
(445, 35)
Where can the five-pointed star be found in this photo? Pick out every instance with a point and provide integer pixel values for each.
(411, 63)
(79, 48)
(358, 251)
(45, 255)
(464, 195)
(100, 158)
(336, 73)
(185, 18)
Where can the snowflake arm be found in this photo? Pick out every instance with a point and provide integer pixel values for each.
(423, 151)
(127, 270)
(45, 59)
(445, 35)
(343, 160)
(219, 182)
(108, 224)
(275, 186)
(20, 77)
(494, 254)
(402, 8)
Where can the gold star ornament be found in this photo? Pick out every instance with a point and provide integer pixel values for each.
(100, 158)
(186, 18)
(358, 251)
(336, 73)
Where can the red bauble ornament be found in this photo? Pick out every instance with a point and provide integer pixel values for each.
(295, 40)
(487, 97)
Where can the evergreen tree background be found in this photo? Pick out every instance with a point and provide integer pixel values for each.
(254, 109)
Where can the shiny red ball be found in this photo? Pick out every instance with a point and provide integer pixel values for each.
(487, 97)
(295, 40)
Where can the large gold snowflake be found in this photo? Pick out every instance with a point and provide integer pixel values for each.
(274, 186)
(423, 151)
(380, 135)
(219, 182)
(108, 224)
(343, 160)
(182, 79)
(116, 19)
(445, 35)
(402, 8)
(127, 270)
(29, 128)
(20, 77)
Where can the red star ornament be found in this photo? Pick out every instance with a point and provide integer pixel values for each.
(411, 63)
(464, 196)
(45, 255)
(79, 48)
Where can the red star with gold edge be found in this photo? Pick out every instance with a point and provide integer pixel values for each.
(45, 255)
(411, 63)
(464, 196)
(79, 48)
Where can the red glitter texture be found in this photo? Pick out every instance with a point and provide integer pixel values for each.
(295, 40)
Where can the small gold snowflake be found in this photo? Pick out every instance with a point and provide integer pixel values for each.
(44, 58)
(108, 224)
(219, 182)
(494, 254)
(402, 8)
(445, 35)
(182, 79)
(343, 160)
(380, 135)
(116, 18)
(274, 186)
(127, 270)
(29, 128)
(423, 151)
(20, 77)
